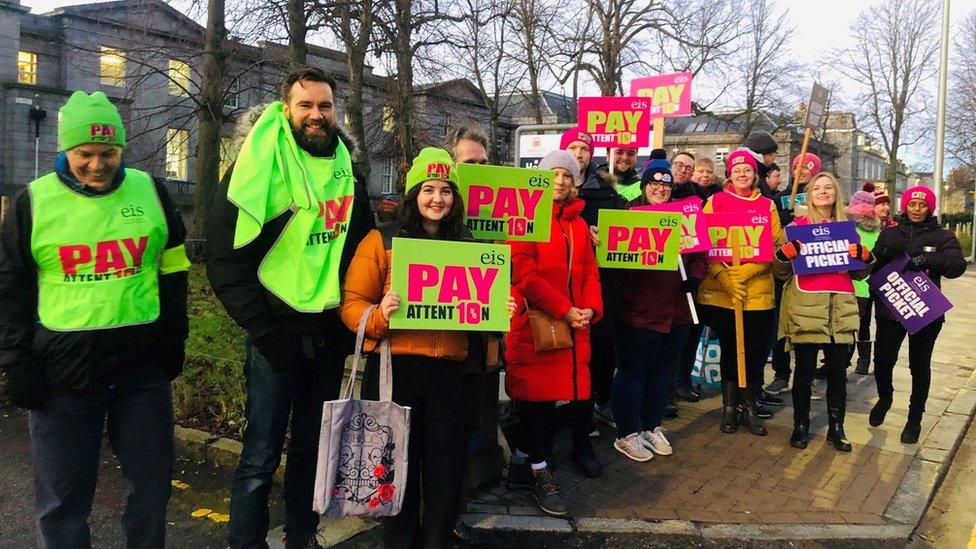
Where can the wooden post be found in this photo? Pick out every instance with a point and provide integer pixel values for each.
(799, 168)
(658, 142)
(740, 343)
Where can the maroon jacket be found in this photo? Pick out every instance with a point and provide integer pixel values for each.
(653, 300)
(539, 279)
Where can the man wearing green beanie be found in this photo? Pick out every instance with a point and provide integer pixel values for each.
(284, 226)
(93, 284)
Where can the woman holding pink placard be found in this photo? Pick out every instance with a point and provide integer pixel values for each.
(750, 285)
(819, 312)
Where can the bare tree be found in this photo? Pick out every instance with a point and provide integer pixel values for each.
(961, 123)
(297, 32)
(494, 70)
(894, 52)
(532, 29)
(766, 73)
(709, 31)
(211, 113)
(615, 41)
(406, 29)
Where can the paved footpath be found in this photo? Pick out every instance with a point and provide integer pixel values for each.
(741, 486)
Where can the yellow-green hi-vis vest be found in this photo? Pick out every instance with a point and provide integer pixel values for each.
(99, 257)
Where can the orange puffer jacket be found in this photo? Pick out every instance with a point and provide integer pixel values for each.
(367, 280)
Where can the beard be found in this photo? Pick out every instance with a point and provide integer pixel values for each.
(315, 144)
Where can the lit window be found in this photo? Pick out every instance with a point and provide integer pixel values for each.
(26, 67)
(721, 155)
(112, 65)
(226, 159)
(179, 77)
(386, 176)
(177, 148)
(389, 122)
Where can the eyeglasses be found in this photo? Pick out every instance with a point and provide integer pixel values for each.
(682, 166)
(660, 184)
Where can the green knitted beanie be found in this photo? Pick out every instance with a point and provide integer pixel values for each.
(89, 119)
(431, 163)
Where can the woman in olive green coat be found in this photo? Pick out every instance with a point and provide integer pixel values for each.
(819, 312)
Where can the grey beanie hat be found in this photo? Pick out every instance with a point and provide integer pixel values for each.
(761, 142)
(564, 160)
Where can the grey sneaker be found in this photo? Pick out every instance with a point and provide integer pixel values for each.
(547, 494)
(778, 386)
(656, 442)
(632, 447)
(603, 414)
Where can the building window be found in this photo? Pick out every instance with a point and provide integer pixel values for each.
(232, 97)
(721, 155)
(389, 121)
(226, 158)
(387, 176)
(112, 67)
(26, 67)
(177, 149)
(179, 77)
(443, 124)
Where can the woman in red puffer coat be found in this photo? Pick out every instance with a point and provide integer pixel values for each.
(546, 278)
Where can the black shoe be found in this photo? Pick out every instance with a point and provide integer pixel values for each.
(835, 430)
(801, 435)
(730, 415)
(863, 358)
(670, 411)
(748, 415)
(909, 435)
(765, 398)
(587, 463)
(519, 476)
(547, 494)
(763, 412)
(878, 412)
(686, 394)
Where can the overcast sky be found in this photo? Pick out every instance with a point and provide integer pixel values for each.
(821, 26)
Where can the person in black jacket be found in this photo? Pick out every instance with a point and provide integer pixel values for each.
(764, 145)
(936, 252)
(93, 282)
(296, 345)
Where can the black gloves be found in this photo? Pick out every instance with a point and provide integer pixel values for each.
(690, 286)
(26, 387)
(916, 263)
(282, 350)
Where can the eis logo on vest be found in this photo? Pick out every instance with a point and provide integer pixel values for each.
(105, 260)
(334, 214)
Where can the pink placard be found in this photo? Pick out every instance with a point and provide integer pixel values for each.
(755, 236)
(616, 121)
(670, 94)
(694, 227)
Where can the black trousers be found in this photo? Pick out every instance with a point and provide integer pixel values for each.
(536, 427)
(781, 357)
(888, 339)
(756, 338)
(602, 363)
(806, 365)
(864, 306)
(432, 389)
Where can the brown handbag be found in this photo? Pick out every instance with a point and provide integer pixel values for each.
(548, 333)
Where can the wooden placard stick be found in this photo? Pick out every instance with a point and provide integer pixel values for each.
(658, 139)
(799, 167)
(740, 343)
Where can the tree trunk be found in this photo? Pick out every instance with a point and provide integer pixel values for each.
(210, 114)
(354, 109)
(403, 88)
(297, 31)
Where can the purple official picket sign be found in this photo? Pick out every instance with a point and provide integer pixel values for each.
(824, 247)
(912, 297)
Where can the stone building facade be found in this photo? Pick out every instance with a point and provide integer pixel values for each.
(146, 57)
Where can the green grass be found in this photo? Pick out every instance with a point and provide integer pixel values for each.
(209, 395)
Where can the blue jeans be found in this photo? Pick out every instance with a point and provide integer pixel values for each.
(66, 440)
(271, 397)
(645, 370)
